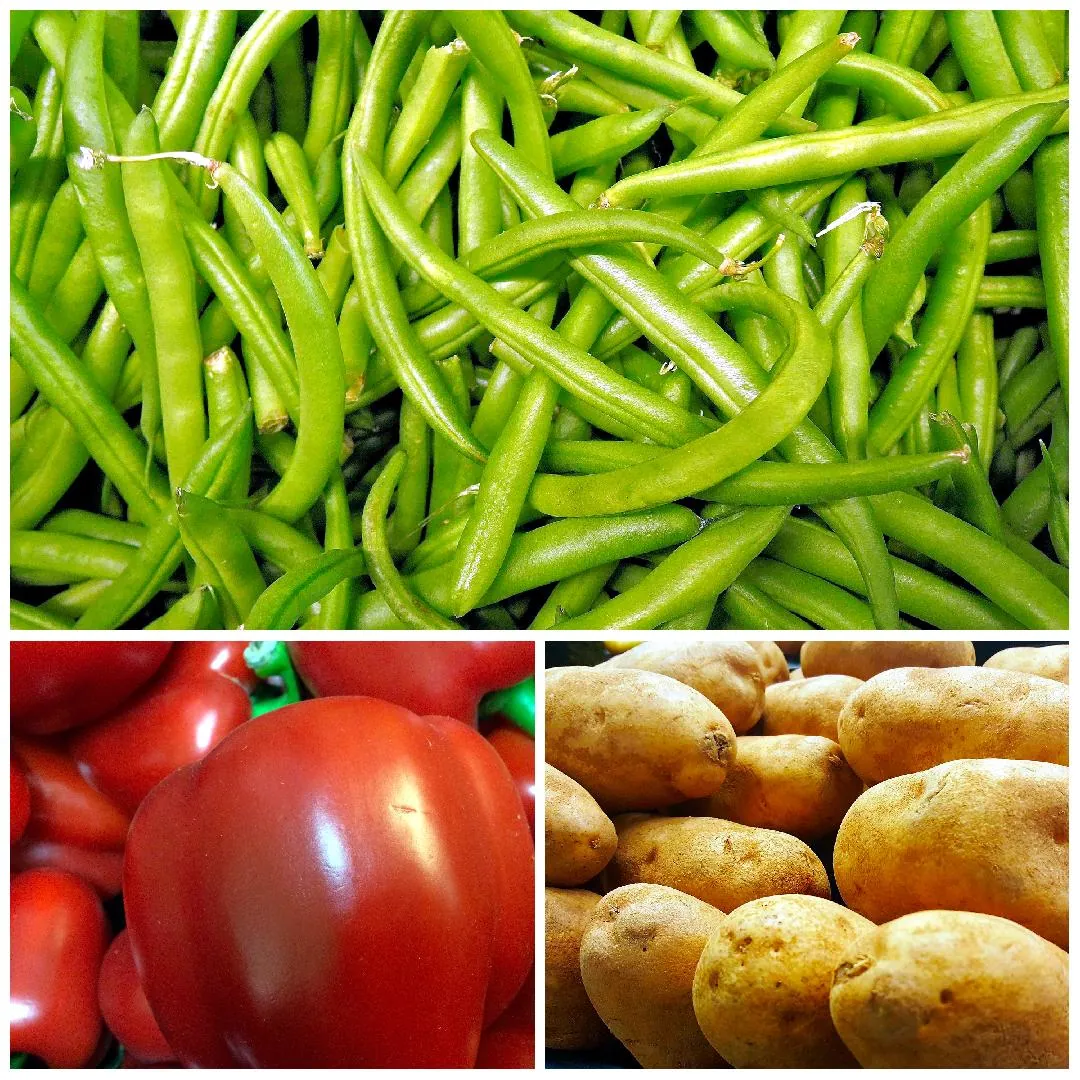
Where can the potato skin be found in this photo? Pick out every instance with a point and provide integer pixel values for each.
(910, 719)
(774, 665)
(638, 957)
(953, 989)
(570, 1021)
(728, 673)
(579, 838)
(636, 740)
(1051, 661)
(981, 835)
(798, 784)
(807, 706)
(761, 992)
(721, 862)
(865, 659)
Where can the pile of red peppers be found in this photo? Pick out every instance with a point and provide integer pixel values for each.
(344, 881)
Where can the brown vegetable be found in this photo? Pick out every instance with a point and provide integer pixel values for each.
(865, 659)
(807, 706)
(1051, 661)
(579, 838)
(570, 1021)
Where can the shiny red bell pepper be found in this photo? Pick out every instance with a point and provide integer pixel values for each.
(57, 685)
(102, 869)
(518, 752)
(171, 723)
(124, 1006)
(510, 1043)
(189, 659)
(58, 938)
(447, 678)
(20, 800)
(64, 808)
(339, 883)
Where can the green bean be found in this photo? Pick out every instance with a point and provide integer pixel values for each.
(171, 280)
(227, 398)
(1028, 50)
(697, 569)
(572, 596)
(977, 374)
(995, 571)
(47, 558)
(26, 617)
(288, 80)
(425, 105)
(734, 44)
(921, 594)
(412, 492)
(245, 67)
(405, 605)
(606, 138)
(287, 163)
(1016, 291)
(978, 46)
(332, 82)
(1059, 510)
(799, 158)
(747, 607)
(949, 305)
(61, 235)
(935, 41)
(572, 368)
(412, 367)
(1027, 388)
(199, 610)
(815, 599)
(96, 526)
(1051, 174)
(773, 414)
(970, 484)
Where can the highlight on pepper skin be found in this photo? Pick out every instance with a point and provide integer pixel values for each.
(806, 855)
(265, 855)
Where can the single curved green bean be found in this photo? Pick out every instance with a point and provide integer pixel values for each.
(799, 158)
(815, 599)
(1051, 174)
(26, 617)
(95, 526)
(977, 44)
(405, 604)
(332, 92)
(49, 558)
(700, 568)
(199, 610)
(746, 607)
(977, 375)
(733, 42)
(572, 596)
(798, 379)
(282, 604)
(288, 165)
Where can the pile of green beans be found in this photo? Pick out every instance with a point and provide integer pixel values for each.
(535, 320)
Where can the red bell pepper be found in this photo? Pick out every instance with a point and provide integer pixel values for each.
(190, 659)
(510, 1043)
(102, 869)
(58, 938)
(447, 678)
(518, 752)
(57, 685)
(20, 800)
(171, 723)
(124, 1006)
(63, 807)
(339, 883)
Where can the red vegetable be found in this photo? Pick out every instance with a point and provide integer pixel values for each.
(189, 659)
(510, 1043)
(20, 800)
(518, 752)
(338, 883)
(63, 806)
(102, 869)
(172, 723)
(447, 678)
(124, 1006)
(57, 685)
(58, 937)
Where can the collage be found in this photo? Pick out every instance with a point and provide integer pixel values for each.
(435, 429)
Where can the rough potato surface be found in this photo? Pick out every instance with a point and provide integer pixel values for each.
(910, 719)
(761, 993)
(1051, 661)
(983, 835)
(636, 740)
(721, 862)
(729, 674)
(953, 989)
(579, 838)
(807, 706)
(638, 957)
(774, 665)
(570, 1021)
(865, 659)
(798, 784)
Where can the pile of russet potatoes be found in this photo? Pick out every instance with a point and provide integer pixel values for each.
(864, 862)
